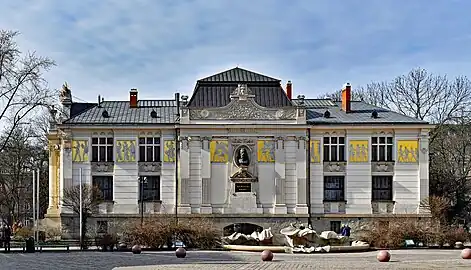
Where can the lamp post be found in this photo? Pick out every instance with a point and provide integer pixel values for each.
(142, 181)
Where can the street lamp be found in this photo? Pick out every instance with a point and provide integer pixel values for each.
(142, 181)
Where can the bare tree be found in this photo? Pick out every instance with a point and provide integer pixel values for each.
(22, 87)
(450, 169)
(21, 157)
(91, 199)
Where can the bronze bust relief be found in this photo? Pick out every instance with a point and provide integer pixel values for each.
(242, 156)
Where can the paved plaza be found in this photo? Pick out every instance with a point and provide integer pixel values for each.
(401, 259)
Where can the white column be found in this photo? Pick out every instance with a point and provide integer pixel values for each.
(280, 168)
(195, 184)
(301, 207)
(423, 166)
(206, 176)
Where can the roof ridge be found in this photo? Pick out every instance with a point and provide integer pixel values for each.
(238, 72)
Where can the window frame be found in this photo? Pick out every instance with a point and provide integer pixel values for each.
(144, 187)
(341, 179)
(97, 146)
(336, 226)
(389, 179)
(388, 145)
(107, 194)
(156, 148)
(328, 145)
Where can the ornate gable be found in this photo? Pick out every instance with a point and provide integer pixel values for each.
(243, 107)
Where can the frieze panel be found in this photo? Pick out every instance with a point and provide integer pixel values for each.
(334, 166)
(241, 107)
(145, 167)
(102, 167)
(382, 167)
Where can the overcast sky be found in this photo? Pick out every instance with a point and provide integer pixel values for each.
(161, 46)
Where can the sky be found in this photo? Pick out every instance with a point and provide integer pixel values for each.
(107, 47)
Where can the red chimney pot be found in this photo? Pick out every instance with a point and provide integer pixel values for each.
(289, 90)
(133, 98)
(346, 98)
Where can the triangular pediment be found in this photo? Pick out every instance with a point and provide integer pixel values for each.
(238, 75)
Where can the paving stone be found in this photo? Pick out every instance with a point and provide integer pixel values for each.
(401, 259)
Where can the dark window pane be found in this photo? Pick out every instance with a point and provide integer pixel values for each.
(150, 141)
(150, 153)
(333, 140)
(326, 153)
(389, 153)
(109, 156)
(333, 153)
(341, 140)
(102, 153)
(142, 140)
(156, 153)
(142, 153)
(341, 152)
(374, 153)
(382, 188)
(334, 188)
(149, 188)
(94, 140)
(105, 185)
(389, 140)
(382, 153)
(335, 226)
(102, 140)
(374, 140)
(326, 140)
(157, 140)
(94, 153)
(109, 141)
(382, 140)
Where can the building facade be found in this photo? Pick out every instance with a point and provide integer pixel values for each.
(241, 149)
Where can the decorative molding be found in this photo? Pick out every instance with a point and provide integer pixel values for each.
(150, 166)
(242, 130)
(382, 166)
(237, 141)
(102, 167)
(334, 207)
(382, 207)
(242, 107)
(184, 143)
(243, 176)
(334, 166)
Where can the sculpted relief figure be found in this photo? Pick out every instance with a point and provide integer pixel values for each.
(242, 157)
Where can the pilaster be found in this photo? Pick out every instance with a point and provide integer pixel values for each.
(184, 191)
(206, 176)
(423, 166)
(291, 183)
(301, 206)
(195, 183)
(280, 206)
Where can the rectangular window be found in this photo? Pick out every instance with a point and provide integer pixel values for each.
(149, 149)
(335, 226)
(102, 149)
(382, 188)
(334, 148)
(149, 188)
(334, 188)
(243, 187)
(382, 148)
(105, 186)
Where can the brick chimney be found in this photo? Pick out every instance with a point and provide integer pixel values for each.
(346, 97)
(289, 90)
(133, 98)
